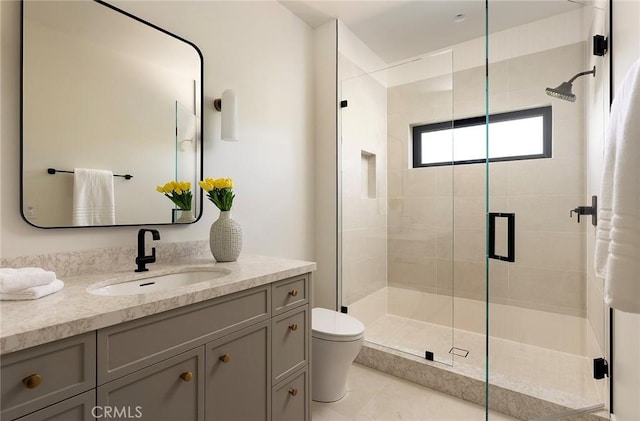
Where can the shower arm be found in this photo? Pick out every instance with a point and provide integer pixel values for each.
(588, 72)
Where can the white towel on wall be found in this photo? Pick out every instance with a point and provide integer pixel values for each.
(93, 198)
(617, 247)
(33, 293)
(16, 279)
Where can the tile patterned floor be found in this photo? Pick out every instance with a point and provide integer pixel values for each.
(375, 396)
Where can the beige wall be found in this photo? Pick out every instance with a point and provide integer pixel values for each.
(540, 192)
(269, 64)
(325, 282)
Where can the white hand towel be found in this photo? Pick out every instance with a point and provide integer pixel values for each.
(12, 279)
(617, 248)
(33, 293)
(93, 198)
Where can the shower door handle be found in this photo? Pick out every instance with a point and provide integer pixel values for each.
(511, 236)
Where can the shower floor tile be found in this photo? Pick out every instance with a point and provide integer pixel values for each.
(519, 366)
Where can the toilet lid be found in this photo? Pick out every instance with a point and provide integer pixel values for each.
(333, 326)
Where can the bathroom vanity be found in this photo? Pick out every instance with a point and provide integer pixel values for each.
(237, 348)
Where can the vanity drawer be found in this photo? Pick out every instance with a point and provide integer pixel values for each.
(167, 391)
(290, 399)
(290, 293)
(125, 348)
(46, 374)
(290, 342)
(77, 408)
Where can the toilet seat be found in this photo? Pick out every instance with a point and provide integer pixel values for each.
(333, 326)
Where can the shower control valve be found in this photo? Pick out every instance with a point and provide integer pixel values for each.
(587, 210)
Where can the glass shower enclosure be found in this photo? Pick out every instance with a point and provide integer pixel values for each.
(461, 181)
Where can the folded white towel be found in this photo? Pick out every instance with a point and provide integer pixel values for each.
(34, 292)
(16, 279)
(617, 247)
(93, 197)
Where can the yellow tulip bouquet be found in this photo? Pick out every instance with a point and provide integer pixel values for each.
(219, 191)
(179, 192)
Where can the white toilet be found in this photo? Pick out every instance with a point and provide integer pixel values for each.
(336, 340)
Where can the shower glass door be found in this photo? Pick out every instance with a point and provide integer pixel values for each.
(396, 210)
(545, 311)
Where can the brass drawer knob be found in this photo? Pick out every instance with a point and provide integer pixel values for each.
(32, 381)
(225, 358)
(293, 292)
(187, 376)
(293, 392)
(293, 326)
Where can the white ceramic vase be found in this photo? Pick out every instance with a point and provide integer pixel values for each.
(182, 216)
(225, 238)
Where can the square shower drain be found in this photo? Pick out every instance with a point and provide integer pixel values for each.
(459, 352)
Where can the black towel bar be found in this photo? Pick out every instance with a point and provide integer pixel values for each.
(53, 171)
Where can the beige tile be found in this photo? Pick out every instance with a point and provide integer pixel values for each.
(322, 412)
(568, 135)
(545, 177)
(445, 180)
(550, 250)
(420, 276)
(445, 244)
(469, 245)
(420, 182)
(445, 276)
(548, 287)
(596, 313)
(443, 213)
(469, 280)
(413, 250)
(395, 185)
(398, 152)
(469, 213)
(469, 180)
(360, 390)
(400, 400)
(547, 213)
(369, 308)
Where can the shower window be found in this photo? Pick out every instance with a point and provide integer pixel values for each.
(524, 134)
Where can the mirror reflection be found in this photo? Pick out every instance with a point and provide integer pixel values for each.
(106, 95)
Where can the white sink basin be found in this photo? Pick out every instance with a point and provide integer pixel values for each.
(155, 283)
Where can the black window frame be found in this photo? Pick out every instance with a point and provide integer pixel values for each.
(545, 112)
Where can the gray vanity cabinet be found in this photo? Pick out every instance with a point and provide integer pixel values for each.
(243, 356)
(78, 408)
(239, 375)
(167, 391)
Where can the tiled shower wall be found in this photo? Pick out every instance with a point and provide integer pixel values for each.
(436, 222)
(363, 158)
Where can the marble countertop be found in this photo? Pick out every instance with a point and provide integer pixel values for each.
(73, 310)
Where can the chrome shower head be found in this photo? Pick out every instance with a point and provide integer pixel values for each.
(564, 90)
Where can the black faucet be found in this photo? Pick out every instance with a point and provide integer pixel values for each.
(142, 260)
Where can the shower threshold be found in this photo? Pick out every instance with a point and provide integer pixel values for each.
(525, 381)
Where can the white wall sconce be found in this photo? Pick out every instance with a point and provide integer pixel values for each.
(229, 115)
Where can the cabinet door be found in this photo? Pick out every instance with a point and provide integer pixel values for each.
(290, 332)
(239, 375)
(167, 391)
(78, 408)
(291, 398)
